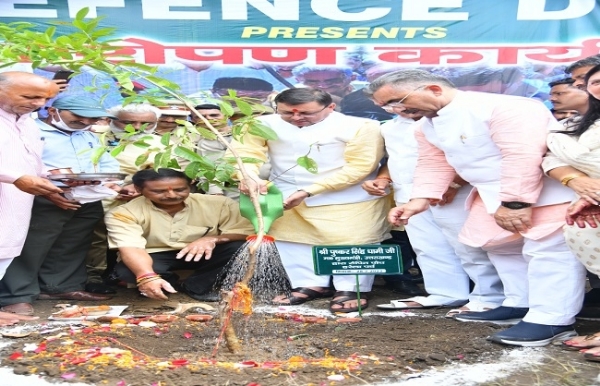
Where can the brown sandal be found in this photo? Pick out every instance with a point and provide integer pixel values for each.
(345, 296)
(310, 295)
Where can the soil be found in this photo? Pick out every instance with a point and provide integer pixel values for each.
(278, 348)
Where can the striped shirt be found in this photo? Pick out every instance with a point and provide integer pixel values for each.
(20, 154)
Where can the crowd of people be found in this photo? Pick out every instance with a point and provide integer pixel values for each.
(492, 196)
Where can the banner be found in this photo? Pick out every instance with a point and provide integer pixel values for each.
(511, 46)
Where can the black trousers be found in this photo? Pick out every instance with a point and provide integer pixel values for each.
(205, 271)
(409, 257)
(53, 258)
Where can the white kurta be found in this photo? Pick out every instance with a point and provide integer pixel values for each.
(496, 143)
(347, 151)
(20, 155)
(446, 263)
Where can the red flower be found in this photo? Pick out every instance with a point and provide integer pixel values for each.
(14, 356)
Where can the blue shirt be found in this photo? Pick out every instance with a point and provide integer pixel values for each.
(75, 150)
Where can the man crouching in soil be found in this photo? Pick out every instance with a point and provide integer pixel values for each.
(170, 229)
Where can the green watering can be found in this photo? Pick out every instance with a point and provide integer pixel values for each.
(271, 205)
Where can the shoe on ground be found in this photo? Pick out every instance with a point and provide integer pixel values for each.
(500, 315)
(211, 296)
(592, 297)
(24, 309)
(75, 295)
(533, 334)
(406, 287)
(589, 313)
(99, 288)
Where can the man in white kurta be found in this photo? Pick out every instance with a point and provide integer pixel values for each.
(496, 143)
(324, 208)
(446, 263)
(21, 166)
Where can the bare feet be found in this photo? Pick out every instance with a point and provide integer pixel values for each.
(16, 318)
(8, 322)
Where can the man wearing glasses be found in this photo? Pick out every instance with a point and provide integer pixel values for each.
(516, 213)
(334, 80)
(325, 207)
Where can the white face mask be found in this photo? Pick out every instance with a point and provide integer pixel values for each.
(60, 124)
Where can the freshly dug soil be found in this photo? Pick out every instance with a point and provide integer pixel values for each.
(278, 348)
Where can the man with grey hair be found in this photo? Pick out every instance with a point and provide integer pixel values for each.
(21, 167)
(51, 265)
(334, 80)
(142, 117)
(516, 213)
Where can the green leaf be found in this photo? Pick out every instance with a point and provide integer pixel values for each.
(165, 139)
(192, 169)
(246, 160)
(307, 163)
(188, 154)
(262, 131)
(173, 164)
(222, 175)
(80, 24)
(206, 133)
(226, 108)
(97, 154)
(142, 159)
(82, 13)
(244, 107)
(50, 31)
(140, 144)
(117, 150)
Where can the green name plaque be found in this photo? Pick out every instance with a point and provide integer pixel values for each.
(357, 259)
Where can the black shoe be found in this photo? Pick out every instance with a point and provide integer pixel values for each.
(500, 315)
(99, 288)
(592, 297)
(589, 313)
(407, 288)
(211, 296)
(533, 334)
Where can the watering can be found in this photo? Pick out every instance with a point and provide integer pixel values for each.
(271, 206)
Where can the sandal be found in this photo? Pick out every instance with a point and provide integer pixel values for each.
(310, 295)
(592, 355)
(345, 296)
(470, 307)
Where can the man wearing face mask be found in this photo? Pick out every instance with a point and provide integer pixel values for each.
(52, 262)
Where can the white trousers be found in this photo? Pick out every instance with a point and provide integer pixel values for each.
(4, 263)
(298, 263)
(446, 263)
(542, 275)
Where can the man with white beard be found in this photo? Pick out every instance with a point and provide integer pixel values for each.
(52, 263)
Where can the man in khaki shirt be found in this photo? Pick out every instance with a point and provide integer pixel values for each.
(170, 229)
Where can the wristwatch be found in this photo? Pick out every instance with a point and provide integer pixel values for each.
(455, 185)
(308, 193)
(515, 204)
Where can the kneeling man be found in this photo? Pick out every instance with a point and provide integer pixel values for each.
(170, 229)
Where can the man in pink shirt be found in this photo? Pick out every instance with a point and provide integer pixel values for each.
(496, 143)
(21, 167)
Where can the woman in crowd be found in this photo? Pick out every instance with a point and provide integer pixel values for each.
(575, 161)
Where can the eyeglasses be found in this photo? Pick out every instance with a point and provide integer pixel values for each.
(390, 106)
(289, 114)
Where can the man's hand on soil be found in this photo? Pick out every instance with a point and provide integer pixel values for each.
(154, 289)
